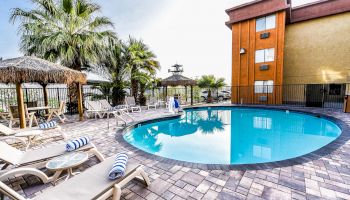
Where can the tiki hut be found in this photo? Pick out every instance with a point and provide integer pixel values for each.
(29, 69)
(178, 80)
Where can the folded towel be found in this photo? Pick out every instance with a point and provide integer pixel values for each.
(48, 125)
(177, 105)
(119, 166)
(77, 143)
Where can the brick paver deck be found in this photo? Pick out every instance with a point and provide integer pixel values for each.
(315, 177)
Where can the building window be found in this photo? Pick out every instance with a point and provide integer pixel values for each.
(266, 23)
(264, 55)
(334, 89)
(263, 87)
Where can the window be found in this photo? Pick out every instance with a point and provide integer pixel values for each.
(334, 89)
(264, 55)
(263, 87)
(265, 23)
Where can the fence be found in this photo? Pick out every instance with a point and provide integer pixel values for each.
(312, 95)
(308, 95)
(36, 95)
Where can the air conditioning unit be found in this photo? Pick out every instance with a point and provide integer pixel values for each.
(264, 67)
(262, 98)
(264, 35)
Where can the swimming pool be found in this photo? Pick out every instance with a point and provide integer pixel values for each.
(234, 135)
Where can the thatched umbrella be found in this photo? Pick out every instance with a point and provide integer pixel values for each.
(29, 69)
(178, 80)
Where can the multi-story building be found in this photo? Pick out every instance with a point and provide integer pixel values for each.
(283, 53)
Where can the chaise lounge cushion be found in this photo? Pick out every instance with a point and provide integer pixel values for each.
(90, 184)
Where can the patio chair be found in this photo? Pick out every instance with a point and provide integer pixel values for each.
(122, 111)
(58, 112)
(90, 184)
(28, 162)
(94, 108)
(14, 116)
(152, 103)
(130, 102)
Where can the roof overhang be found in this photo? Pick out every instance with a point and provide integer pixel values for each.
(255, 9)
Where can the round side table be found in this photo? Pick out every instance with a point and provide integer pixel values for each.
(67, 162)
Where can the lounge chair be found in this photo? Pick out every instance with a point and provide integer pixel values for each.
(152, 103)
(97, 108)
(122, 111)
(58, 112)
(94, 108)
(28, 161)
(90, 184)
(7, 133)
(130, 102)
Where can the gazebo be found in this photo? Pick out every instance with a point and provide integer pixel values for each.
(178, 80)
(29, 69)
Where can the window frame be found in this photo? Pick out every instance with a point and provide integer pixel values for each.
(266, 55)
(265, 87)
(262, 25)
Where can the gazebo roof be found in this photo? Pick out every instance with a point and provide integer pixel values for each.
(29, 69)
(177, 80)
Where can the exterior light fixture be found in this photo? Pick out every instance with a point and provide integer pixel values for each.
(242, 51)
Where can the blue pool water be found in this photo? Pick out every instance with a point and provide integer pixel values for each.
(230, 135)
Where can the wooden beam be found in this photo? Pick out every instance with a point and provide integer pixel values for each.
(46, 97)
(80, 102)
(20, 104)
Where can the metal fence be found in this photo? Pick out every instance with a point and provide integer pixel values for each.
(309, 95)
(306, 95)
(35, 96)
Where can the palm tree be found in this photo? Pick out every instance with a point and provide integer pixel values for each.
(210, 83)
(115, 65)
(65, 31)
(140, 59)
(68, 31)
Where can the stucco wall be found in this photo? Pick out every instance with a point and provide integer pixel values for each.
(318, 51)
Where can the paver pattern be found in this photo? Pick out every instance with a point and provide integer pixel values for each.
(324, 177)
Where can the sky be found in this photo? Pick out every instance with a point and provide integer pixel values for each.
(187, 32)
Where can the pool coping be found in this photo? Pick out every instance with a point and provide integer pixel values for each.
(314, 155)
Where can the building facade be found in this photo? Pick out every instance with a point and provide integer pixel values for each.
(282, 53)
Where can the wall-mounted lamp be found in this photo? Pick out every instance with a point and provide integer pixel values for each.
(242, 51)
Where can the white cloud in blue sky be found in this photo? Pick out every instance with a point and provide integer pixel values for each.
(189, 32)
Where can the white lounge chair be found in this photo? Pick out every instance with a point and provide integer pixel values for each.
(31, 134)
(94, 108)
(90, 184)
(97, 108)
(58, 112)
(28, 162)
(121, 111)
(152, 103)
(130, 102)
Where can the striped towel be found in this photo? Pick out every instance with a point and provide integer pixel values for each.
(77, 143)
(48, 125)
(119, 166)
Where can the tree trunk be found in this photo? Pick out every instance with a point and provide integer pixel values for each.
(209, 98)
(142, 97)
(134, 85)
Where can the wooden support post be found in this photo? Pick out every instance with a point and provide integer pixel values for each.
(80, 102)
(166, 92)
(46, 97)
(191, 95)
(20, 104)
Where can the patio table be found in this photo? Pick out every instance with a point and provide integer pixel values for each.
(67, 162)
(37, 110)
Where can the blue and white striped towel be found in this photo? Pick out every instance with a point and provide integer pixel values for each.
(48, 125)
(77, 143)
(119, 166)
